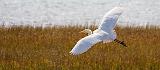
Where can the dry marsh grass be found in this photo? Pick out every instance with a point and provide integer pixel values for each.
(28, 48)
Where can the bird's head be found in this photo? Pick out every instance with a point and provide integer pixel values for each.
(88, 31)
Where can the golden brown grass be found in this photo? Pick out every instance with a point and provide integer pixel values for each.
(27, 48)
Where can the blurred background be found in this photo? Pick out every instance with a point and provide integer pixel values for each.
(73, 12)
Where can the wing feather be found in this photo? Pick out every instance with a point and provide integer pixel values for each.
(110, 18)
(85, 43)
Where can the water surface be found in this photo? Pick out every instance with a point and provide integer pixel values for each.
(66, 12)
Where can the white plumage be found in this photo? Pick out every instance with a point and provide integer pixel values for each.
(105, 32)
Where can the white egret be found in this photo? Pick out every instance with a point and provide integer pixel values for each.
(105, 32)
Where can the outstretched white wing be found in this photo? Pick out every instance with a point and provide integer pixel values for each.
(110, 18)
(85, 43)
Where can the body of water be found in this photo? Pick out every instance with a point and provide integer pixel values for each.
(66, 12)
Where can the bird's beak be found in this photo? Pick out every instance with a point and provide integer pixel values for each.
(81, 32)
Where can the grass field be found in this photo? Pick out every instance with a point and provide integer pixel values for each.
(28, 48)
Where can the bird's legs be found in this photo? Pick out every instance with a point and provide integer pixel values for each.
(120, 42)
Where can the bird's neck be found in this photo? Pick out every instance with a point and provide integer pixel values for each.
(89, 32)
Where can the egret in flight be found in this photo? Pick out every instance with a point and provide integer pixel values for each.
(105, 32)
